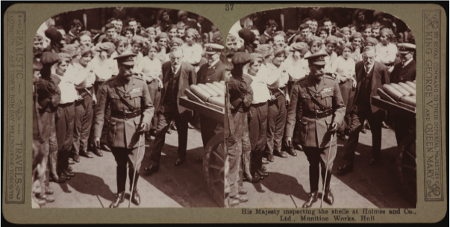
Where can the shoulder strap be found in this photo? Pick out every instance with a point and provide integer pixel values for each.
(322, 107)
(132, 108)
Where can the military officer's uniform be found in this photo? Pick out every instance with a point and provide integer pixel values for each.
(209, 73)
(131, 106)
(315, 105)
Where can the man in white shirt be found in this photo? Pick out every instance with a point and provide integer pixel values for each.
(65, 116)
(83, 79)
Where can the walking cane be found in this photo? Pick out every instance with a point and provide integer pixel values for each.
(135, 169)
(326, 171)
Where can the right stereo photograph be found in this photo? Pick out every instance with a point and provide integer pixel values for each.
(320, 110)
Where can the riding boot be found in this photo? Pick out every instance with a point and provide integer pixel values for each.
(134, 196)
(328, 197)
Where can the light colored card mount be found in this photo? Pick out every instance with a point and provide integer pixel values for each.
(427, 21)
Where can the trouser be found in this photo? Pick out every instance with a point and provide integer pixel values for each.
(348, 94)
(324, 156)
(64, 134)
(82, 124)
(258, 134)
(133, 157)
(49, 146)
(155, 95)
(164, 120)
(209, 128)
(402, 127)
(358, 119)
(236, 144)
(276, 121)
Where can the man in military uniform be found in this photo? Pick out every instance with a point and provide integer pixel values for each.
(131, 113)
(318, 109)
(213, 71)
(404, 71)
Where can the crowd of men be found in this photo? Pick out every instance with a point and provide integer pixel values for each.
(104, 92)
(308, 88)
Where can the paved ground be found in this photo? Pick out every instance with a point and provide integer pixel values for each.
(94, 184)
(365, 187)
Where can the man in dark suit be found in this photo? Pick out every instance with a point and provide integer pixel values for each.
(177, 77)
(271, 27)
(404, 71)
(370, 75)
(214, 71)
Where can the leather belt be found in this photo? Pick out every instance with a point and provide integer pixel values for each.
(317, 114)
(123, 115)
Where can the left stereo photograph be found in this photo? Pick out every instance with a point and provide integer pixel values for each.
(128, 110)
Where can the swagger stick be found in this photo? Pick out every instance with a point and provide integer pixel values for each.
(326, 171)
(135, 169)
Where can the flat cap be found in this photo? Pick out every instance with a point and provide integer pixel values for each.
(107, 46)
(212, 48)
(49, 58)
(241, 58)
(264, 50)
(298, 46)
(317, 58)
(71, 49)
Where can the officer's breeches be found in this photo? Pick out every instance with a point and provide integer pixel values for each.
(323, 156)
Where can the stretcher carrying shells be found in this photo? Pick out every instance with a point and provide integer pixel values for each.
(205, 103)
(402, 102)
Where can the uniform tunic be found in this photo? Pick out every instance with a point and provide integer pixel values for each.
(313, 131)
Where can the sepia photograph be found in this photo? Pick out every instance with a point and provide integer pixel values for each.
(321, 110)
(128, 110)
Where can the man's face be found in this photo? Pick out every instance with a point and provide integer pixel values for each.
(111, 32)
(61, 68)
(36, 75)
(305, 32)
(232, 44)
(405, 57)
(75, 29)
(162, 42)
(369, 58)
(323, 34)
(212, 57)
(317, 70)
(126, 71)
(313, 26)
(85, 40)
(176, 58)
(133, 24)
(270, 29)
(328, 25)
(38, 47)
(200, 19)
(84, 60)
(278, 40)
(181, 33)
(119, 26)
(184, 17)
